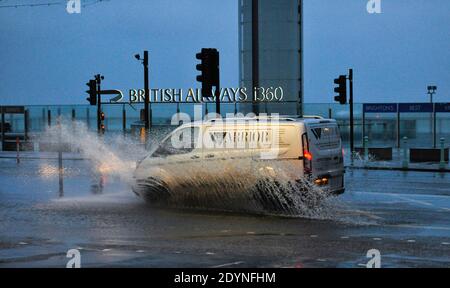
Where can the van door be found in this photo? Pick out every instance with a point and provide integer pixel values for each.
(325, 150)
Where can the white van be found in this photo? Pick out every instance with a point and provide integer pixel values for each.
(311, 147)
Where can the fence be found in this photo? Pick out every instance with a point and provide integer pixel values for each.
(381, 128)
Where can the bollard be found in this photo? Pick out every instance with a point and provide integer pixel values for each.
(18, 149)
(124, 120)
(60, 159)
(442, 162)
(49, 118)
(178, 115)
(405, 153)
(88, 118)
(366, 148)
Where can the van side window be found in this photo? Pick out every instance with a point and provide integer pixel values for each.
(181, 142)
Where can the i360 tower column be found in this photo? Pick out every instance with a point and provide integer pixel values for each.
(274, 39)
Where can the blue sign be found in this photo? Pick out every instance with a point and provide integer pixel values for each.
(442, 107)
(380, 108)
(415, 107)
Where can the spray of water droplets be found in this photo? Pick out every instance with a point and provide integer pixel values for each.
(112, 155)
(237, 185)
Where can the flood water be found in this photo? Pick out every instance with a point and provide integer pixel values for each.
(405, 216)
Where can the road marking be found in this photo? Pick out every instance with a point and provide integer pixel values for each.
(106, 250)
(400, 196)
(210, 253)
(412, 200)
(377, 239)
(418, 227)
(445, 243)
(140, 251)
(345, 237)
(23, 243)
(363, 213)
(228, 264)
(314, 236)
(411, 241)
(403, 194)
(407, 197)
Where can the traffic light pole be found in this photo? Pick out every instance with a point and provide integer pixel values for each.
(217, 92)
(147, 93)
(99, 102)
(352, 124)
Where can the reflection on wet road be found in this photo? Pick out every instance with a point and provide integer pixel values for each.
(406, 216)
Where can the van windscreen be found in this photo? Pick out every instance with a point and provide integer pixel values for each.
(324, 136)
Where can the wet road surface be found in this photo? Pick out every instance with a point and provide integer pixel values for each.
(405, 215)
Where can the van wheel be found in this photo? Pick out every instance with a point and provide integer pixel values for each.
(156, 192)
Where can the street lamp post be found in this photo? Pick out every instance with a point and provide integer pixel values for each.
(146, 89)
(432, 90)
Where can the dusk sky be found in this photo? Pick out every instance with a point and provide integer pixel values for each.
(47, 55)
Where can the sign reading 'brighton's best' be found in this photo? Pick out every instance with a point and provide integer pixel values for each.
(406, 107)
(415, 107)
(380, 108)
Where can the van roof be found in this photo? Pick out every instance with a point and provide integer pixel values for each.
(284, 119)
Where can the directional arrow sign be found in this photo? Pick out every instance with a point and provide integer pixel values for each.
(118, 98)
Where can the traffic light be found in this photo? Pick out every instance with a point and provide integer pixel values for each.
(341, 89)
(209, 68)
(102, 124)
(92, 99)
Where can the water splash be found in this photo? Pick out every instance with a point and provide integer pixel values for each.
(112, 155)
(47, 170)
(237, 185)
